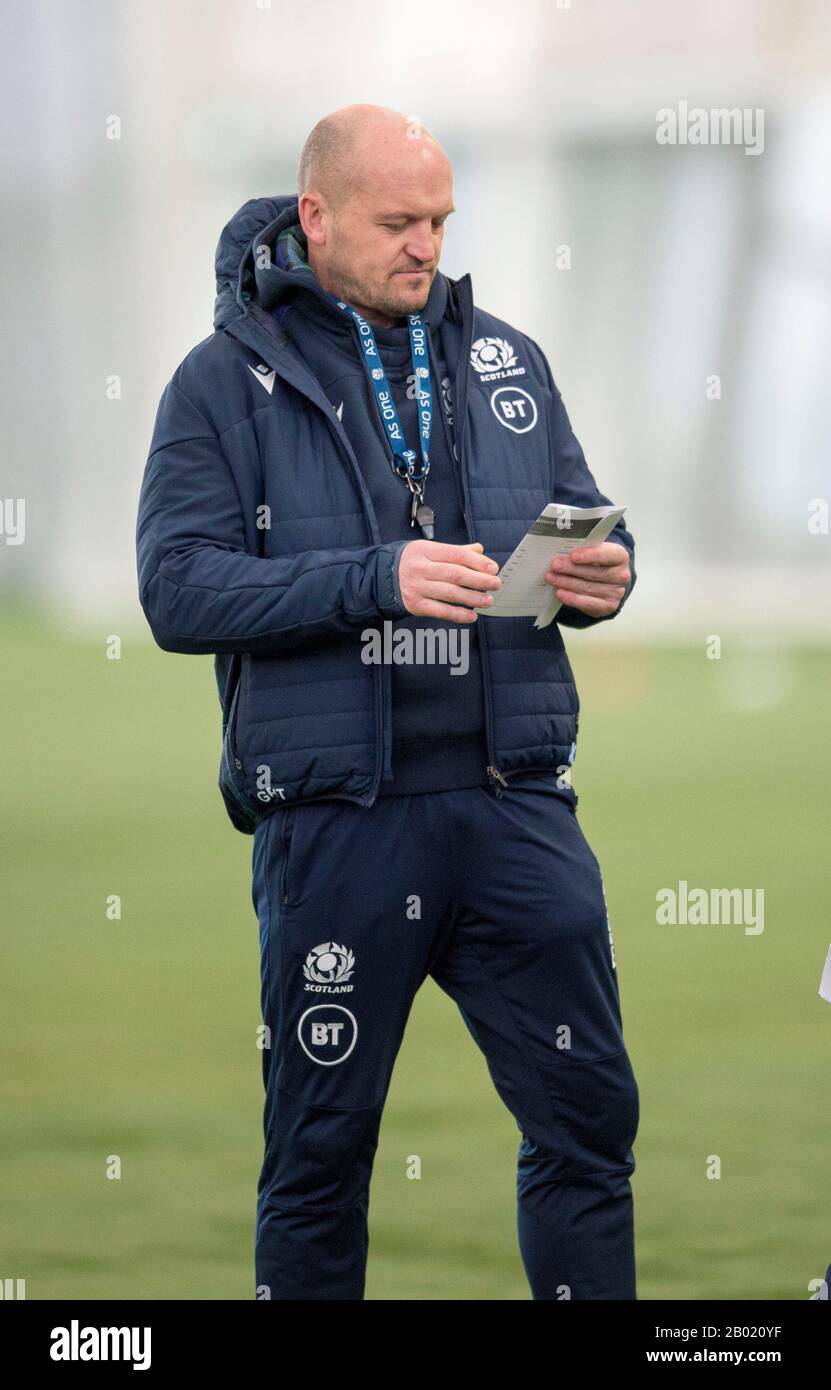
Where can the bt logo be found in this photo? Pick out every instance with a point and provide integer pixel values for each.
(514, 408)
(327, 1034)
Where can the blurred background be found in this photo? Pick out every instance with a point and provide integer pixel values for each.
(681, 293)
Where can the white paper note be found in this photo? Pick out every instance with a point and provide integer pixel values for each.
(825, 982)
(558, 530)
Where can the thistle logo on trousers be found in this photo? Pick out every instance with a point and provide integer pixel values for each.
(328, 967)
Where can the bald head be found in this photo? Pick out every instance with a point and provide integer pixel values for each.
(342, 151)
(374, 190)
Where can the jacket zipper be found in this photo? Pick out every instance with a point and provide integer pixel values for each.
(461, 422)
(237, 795)
(497, 776)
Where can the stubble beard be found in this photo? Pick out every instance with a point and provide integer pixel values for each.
(383, 300)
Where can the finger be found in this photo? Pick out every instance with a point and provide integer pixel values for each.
(467, 555)
(455, 593)
(602, 588)
(429, 608)
(607, 553)
(462, 577)
(595, 607)
(617, 575)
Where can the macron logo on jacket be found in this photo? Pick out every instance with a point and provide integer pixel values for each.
(265, 375)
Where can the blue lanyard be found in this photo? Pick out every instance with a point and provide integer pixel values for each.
(404, 460)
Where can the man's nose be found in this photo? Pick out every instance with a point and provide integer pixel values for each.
(420, 246)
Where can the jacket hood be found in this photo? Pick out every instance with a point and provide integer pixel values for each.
(244, 275)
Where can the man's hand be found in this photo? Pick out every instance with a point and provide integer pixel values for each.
(592, 578)
(435, 578)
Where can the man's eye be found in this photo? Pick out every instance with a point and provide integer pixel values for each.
(438, 223)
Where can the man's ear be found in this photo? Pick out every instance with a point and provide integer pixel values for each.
(314, 216)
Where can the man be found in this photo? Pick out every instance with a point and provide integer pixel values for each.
(335, 477)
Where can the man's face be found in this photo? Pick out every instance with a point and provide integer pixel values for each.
(383, 243)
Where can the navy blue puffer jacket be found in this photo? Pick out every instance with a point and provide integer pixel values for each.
(257, 540)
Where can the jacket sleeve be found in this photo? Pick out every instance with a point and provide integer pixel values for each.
(574, 485)
(202, 592)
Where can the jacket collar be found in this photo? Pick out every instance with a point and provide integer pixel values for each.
(245, 310)
(258, 261)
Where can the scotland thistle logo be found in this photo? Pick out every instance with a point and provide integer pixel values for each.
(494, 358)
(328, 967)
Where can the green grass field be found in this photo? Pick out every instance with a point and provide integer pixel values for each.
(138, 1037)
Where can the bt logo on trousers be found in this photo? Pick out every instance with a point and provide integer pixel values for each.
(327, 1034)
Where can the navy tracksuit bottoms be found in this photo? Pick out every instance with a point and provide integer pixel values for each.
(500, 899)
